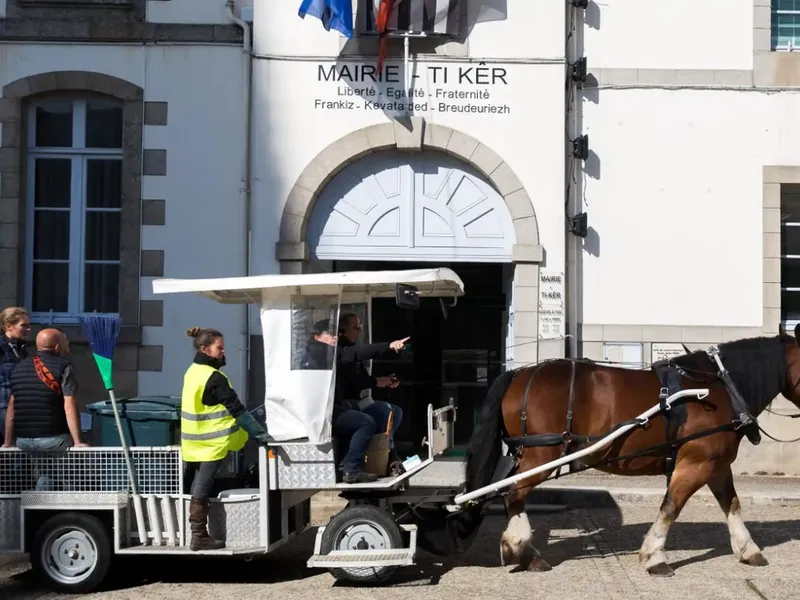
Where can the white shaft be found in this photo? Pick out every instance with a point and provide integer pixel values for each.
(509, 481)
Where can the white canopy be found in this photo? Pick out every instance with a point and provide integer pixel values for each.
(298, 395)
(256, 288)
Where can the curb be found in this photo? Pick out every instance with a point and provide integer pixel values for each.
(610, 497)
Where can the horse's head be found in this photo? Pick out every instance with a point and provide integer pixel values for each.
(791, 349)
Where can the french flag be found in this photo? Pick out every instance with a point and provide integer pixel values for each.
(334, 14)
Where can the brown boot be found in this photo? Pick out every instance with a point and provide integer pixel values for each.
(198, 519)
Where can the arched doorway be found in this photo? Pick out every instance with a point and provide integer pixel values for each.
(399, 210)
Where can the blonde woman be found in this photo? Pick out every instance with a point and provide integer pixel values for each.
(15, 325)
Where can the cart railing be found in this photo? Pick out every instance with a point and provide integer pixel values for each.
(92, 469)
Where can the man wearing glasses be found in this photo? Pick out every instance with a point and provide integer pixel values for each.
(359, 415)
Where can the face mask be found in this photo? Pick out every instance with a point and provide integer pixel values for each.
(222, 361)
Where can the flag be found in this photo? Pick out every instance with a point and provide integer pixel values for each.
(381, 21)
(334, 14)
(432, 17)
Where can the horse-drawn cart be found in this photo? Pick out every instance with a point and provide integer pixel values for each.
(73, 511)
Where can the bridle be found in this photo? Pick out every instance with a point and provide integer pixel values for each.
(766, 408)
(791, 390)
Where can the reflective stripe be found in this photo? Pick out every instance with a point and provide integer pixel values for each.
(205, 416)
(198, 437)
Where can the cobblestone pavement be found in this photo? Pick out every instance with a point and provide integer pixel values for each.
(593, 553)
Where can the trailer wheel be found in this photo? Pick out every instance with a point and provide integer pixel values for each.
(72, 552)
(361, 527)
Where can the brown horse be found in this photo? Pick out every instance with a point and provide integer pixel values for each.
(701, 436)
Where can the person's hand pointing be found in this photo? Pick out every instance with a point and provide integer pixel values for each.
(397, 345)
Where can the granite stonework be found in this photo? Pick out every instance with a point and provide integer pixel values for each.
(106, 21)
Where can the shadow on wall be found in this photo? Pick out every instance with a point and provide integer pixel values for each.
(358, 81)
(591, 15)
(591, 166)
(591, 243)
(591, 89)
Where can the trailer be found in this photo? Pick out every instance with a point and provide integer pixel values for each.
(73, 511)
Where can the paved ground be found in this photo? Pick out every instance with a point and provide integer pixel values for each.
(593, 554)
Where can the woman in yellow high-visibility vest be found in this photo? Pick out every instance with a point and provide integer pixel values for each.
(214, 422)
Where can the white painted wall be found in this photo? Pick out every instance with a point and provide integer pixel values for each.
(676, 203)
(205, 90)
(684, 34)
(192, 11)
(204, 87)
(529, 30)
(290, 132)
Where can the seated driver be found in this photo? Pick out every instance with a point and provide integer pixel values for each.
(320, 347)
(354, 392)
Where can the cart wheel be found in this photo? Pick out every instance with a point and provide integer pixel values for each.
(72, 552)
(362, 528)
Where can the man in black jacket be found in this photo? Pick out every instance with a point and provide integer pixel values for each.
(355, 414)
(43, 413)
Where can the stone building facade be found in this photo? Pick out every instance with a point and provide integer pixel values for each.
(72, 49)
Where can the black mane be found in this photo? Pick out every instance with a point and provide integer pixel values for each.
(756, 365)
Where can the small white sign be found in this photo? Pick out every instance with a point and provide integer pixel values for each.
(624, 355)
(551, 323)
(481, 374)
(551, 304)
(663, 351)
(551, 287)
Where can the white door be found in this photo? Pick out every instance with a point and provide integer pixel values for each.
(411, 207)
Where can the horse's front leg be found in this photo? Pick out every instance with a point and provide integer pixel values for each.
(743, 546)
(686, 480)
(516, 542)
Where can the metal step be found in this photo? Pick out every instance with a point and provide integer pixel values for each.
(229, 551)
(362, 558)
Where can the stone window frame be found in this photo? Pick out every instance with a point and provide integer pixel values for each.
(771, 68)
(788, 225)
(13, 176)
(29, 154)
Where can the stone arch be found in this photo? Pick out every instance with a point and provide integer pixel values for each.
(12, 176)
(413, 135)
(60, 81)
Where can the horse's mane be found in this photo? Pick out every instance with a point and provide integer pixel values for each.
(756, 365)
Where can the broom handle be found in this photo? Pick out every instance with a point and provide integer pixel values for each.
(122, 441)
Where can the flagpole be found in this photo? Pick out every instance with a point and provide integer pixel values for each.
(407, 53)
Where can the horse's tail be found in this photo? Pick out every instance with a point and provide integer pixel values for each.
(484, 449)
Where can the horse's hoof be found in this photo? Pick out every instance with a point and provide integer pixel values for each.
(539, 565)
(661, 570)
(756, 560)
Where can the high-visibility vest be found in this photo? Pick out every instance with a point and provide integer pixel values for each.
(208, 433)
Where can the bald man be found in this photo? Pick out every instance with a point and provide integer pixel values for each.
(43, 414)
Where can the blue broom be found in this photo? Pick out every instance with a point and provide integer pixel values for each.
(102, 331)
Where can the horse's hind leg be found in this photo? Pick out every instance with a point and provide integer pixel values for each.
(686, 480)
(744, 548)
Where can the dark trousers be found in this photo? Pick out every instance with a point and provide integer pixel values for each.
(203, 474)
(353, 430)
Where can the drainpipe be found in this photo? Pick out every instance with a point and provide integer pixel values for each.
(247, 189)
(573, 184)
